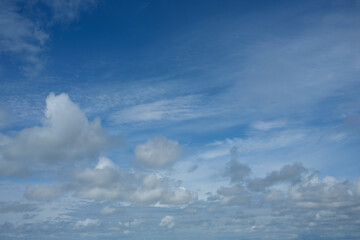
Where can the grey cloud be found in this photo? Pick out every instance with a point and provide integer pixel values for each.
(65, 136)
(43, 192)
(236, 171)
(235, 195)
(155, 189)
(193, 168)
(158, 152)
(287, 174)
(10, 168)
(17, 207)
(329, 192)
(104, 182)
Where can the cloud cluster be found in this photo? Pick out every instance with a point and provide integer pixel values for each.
(157, 152)
(293, 194)
(108, 182)
(65, 136)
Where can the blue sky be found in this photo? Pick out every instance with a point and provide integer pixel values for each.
(189, 119)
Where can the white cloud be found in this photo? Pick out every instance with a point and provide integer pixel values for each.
(87, 223)
(168, 222)
(158, 152)
(65, 136)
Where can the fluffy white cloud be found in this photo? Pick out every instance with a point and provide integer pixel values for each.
(167, 221)
(158, 152)
(66, 135)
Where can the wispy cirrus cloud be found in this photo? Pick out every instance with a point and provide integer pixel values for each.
(176, 109)
(24, 36)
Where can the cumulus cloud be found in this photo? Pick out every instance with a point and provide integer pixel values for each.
(43, 192)
(168, 222)
(158, 152)
(66, 135)
(106, 181)
(157, 189)
(328, 192)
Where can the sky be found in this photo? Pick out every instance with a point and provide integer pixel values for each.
(179, 119)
